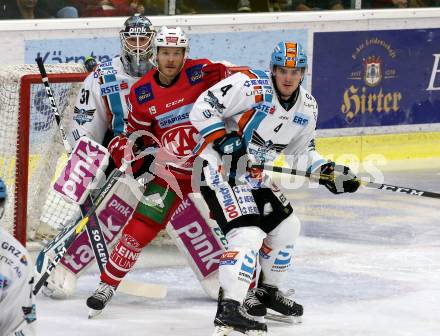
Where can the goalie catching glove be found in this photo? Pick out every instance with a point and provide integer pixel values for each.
(338, 178)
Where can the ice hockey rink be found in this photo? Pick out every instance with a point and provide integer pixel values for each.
(366, 264)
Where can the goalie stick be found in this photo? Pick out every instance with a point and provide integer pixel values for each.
(65, 238)
(383, 186)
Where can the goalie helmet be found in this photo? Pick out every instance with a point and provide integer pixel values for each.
(288, 54)
(170, 37)
(2, 197)
(136, 42)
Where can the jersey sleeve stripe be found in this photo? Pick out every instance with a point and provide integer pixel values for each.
(207, 131)
(244, 119)
(142, 123)
(205, 141)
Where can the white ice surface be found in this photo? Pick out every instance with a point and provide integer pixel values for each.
(365, 264)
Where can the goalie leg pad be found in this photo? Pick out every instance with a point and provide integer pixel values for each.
(61, 283)
(200, 240)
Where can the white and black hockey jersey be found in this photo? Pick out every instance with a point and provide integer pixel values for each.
(247, 102)
(101, 104)
(17, 306)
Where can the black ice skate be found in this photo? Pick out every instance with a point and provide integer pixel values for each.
(253, 306)
(100, 298)
(231, 316)
(280, 307)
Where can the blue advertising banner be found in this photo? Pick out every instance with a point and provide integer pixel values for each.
(377, 78)
(252, 49)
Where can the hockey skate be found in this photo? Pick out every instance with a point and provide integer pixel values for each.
(100, 298)
(279, 306)
(231, 316)
(253, 306)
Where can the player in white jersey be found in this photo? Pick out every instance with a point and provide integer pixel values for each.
(101, 114)
(255, 116)
(17, 307)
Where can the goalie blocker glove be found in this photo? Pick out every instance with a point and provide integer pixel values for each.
(338, 178)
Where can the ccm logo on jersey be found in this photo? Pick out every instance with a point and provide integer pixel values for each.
(174, 102)
(113, 87)
(144, 93)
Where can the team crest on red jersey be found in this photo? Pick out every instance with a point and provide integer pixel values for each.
(181, 140)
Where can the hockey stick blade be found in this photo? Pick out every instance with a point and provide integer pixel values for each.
(368, 184)
(135, 288)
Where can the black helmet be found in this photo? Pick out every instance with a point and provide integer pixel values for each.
(137, 37)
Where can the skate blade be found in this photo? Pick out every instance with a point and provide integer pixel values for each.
(225, 331)
(93, 313)
(255, 333)
(284, 318)
(222, 331)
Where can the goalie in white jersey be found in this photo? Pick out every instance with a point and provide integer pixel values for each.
(17, 307)
(101, 114)
(254, 115)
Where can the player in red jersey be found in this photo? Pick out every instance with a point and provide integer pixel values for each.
(159, 104)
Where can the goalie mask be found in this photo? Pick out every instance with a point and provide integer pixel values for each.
(2, 197)
(136, 42)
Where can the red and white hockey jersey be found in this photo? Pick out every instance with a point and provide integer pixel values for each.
(164, 112)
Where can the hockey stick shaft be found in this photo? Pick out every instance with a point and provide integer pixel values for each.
(384, 186)
(95, 234)
(53, 105)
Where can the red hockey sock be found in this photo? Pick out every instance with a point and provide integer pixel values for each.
(135, 236)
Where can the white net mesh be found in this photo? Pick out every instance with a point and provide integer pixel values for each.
(45, 210)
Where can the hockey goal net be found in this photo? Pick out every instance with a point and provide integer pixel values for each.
(31, 149)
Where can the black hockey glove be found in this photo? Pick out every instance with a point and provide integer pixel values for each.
(338, 178)
(231, 145)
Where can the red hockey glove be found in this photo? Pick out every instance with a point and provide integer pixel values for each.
(215, 72)
(120, 148)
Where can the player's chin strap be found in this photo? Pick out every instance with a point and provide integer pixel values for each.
(368, 184)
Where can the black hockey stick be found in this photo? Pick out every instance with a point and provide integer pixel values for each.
(94, 231)
(384, 186)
